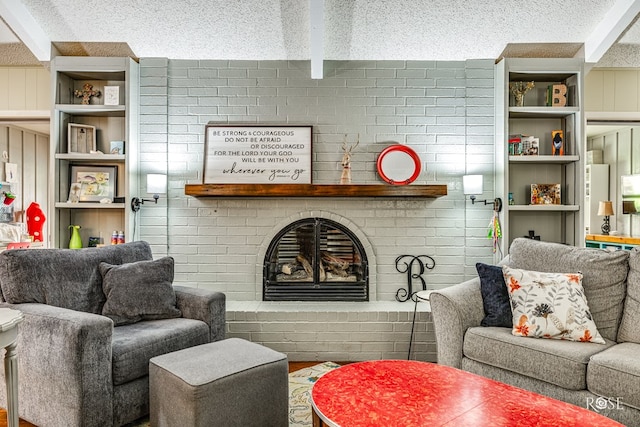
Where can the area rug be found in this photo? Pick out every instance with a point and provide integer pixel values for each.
(300, 384)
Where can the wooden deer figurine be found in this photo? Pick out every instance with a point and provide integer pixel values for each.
(346, 161)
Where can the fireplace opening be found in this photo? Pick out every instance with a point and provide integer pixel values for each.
(315, 259)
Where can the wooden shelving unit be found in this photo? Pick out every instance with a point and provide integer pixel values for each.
(561, 223)
(112, 122)
(312, 190)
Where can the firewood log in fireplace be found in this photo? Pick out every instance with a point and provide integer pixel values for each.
(322, 272)
(336, 265)
(305, 264)
(289, 268)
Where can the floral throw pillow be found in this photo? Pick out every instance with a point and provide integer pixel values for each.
(550, 305)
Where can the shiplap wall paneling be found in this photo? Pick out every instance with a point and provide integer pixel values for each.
(24, 88)
(16, 143)
(30, 151)
(608, 90)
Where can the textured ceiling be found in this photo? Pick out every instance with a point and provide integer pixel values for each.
(353, 29)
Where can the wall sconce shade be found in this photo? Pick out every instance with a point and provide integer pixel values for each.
(156, 184)
(605, 209)
(472, 185)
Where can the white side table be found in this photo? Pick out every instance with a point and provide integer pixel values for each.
(417, 297)
(9, 320)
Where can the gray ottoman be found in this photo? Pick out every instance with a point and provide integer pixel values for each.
(226, 383)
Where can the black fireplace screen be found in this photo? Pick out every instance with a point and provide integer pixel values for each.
(315, 259)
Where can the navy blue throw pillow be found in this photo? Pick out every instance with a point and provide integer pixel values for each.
(495, 297)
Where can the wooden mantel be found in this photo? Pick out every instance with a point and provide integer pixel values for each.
(313, 190)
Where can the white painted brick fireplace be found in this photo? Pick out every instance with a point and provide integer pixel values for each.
(443, 110)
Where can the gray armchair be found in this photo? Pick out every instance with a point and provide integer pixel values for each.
(75, 368)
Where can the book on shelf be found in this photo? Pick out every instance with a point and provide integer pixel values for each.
(523, 145)
(515, 145)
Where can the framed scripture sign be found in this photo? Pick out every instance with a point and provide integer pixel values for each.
(255, 154)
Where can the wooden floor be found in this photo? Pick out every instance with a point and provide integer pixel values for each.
(293, 366)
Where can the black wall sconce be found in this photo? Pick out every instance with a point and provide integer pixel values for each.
(472, 185)
(156, 184)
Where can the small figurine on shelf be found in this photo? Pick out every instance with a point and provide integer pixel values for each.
(345, 178)
(519, 89)
(557, 142)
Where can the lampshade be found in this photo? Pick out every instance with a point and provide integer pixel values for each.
(629, 206)
(156, 183)
(472, 184)
(605, 208)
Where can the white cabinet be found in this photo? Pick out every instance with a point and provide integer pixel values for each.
(70, 146)
(596, 189)
(554, 222)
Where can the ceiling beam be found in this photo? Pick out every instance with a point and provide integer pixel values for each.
(605, 34)
(316, 37)
(21, 22)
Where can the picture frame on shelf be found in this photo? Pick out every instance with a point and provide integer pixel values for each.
(74, 192)
(11, 172)
(530, 145)
(112, 95)
(116, 147)
(81, 138)
(96, 182)
(545, 194)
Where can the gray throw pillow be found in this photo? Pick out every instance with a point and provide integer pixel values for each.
(138, 291)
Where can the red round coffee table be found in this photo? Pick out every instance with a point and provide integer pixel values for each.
(406, 393)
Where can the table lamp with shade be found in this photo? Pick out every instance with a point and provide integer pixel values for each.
(605, 209)
(629, 207)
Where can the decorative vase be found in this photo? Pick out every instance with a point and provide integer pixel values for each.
(519, 89)
(75, 242)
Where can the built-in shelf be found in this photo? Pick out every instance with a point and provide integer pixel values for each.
(89, 205)
(540, 112)
(80, 157)
(94, 110)
(547, 208)
(312, 190)
(544, 159)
